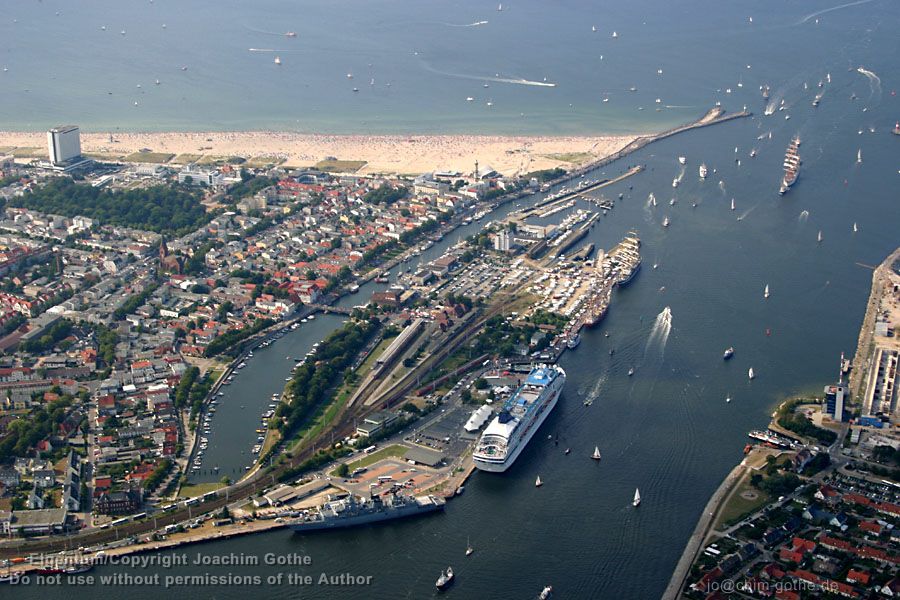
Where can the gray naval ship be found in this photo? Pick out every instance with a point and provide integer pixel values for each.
(352, 511)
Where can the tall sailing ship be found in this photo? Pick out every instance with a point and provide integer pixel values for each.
(521, 416)
(791, 166)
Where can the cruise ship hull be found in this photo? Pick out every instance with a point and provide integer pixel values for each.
(500, 467)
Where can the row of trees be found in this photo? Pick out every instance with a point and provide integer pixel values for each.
(227, 340)
(311, 383)
(134, 302)
(386, 194)
(57, 332)
(167, 209)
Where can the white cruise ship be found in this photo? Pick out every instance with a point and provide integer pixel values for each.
(521, 416)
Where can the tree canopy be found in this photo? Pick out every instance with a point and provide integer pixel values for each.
(162, 208)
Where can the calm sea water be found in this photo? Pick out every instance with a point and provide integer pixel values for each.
(667, 429)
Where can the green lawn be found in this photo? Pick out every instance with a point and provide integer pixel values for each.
(198, 489)
(186, 159)
(149, 157)
(341, 166)
(370, 459)
(259, 162)
(25, 152)
(571, 157)
(739, 507)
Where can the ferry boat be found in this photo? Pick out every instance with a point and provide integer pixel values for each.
(351, 511)
(791, 166)
(521, 416)
(573, 342)
(770, 438)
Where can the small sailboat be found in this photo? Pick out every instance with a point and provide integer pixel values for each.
(615, 35)
(637, 498)
(538, 482)
(859, 156)
(665, 222)
(819, 237)
(596, 454)
(499, 8)
(732, 204)
(469, 549)
(751, 374)
(594, 28)
(567, 451)
(766, 291)
(727, 399)
(682, 160)
(277, 60)
(855, 228)
(631, 371)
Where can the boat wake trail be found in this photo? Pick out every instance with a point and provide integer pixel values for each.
(515, 81)
(662, 327)
(475, 24)
(803, 216)
(594, 392)
(874, 80)
(811, 16)
(255, 30)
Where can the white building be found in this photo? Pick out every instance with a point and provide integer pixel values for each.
(501, 241)
(196, 176)
(64, 144)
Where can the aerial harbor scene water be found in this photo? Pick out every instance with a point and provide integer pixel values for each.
(470, 299)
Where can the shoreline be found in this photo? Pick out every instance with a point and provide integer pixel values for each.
(252, 484)
(363, 154)
(858, 375)
(395, 154)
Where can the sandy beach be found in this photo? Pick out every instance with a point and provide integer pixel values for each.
(382, 154)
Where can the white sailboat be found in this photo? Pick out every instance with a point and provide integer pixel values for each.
(819, 237)
(751, 374)
(855, 228)
(596, 454)
(665, 222)
(682, 160)
(277, 60)
(469, 548)
(766, 291)
(859, 156)
(732, 204)
(637, 498)
(615, 35)
(499, 8)
(727, 399)
(538, 482)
